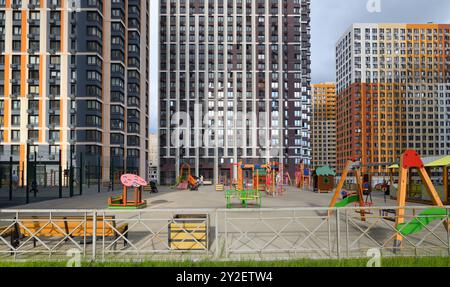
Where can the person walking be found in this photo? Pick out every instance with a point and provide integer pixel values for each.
(34, 187)
(15, 180)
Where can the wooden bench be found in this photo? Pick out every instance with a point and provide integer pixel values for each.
(9, 231)
(71, 226)
(6, 231)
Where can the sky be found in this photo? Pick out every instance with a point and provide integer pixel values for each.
(329, 20)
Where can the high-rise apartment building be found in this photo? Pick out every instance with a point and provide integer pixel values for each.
(393, 86)
(242, 70)
(323, 125)
(153, 158)
(74, 78)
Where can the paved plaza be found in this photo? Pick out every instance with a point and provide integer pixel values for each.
(169, 198)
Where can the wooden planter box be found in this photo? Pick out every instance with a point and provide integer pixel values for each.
(189, 232)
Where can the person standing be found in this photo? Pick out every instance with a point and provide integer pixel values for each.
(34, 186)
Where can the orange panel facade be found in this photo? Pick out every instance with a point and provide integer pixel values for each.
(394, 95)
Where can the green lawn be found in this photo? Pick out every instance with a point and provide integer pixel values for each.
(388, 262)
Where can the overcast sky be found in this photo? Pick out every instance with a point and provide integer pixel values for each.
(330, 18)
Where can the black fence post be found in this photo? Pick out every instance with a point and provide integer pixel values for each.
(46, 184)
(99, 174)
(10, 178)
(27, 190)
(35, 175)
(111, 171)
(22, 172)
(88, 176)
(60, 177)
(81, 173)
(71, 172)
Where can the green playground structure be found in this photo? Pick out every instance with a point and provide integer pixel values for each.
(425, 218)
(348, 200)
(244, 197)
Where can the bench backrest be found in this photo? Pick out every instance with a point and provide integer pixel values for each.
(73, 226)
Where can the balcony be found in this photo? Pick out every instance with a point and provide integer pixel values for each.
(33, 66)
(32, 96)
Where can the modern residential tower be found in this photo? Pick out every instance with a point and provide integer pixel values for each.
(323, 125)
(74, 78)
(153, 158)
(393, 92)
(241, 71)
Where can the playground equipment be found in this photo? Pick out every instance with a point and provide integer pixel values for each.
(436, 166)
(303, 177)
(270, 178)
(244, 196)
(123, 202)
(247, 185)
(248, 176)
(323, 179)
(253, 179)
(411, 160)
(260, 177)
(187, 181)
(356, 197)
(276, 179)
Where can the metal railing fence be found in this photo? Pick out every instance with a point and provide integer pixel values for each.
(222, 234)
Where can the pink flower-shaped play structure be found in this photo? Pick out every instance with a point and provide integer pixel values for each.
(126, 202)
(132, 180)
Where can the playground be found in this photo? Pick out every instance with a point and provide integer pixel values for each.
(262, 213)
(205, 197)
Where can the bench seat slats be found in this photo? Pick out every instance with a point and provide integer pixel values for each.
(73, 226)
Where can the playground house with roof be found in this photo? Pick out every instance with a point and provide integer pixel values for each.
(323, 179)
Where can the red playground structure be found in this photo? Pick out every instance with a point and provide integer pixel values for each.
(303, 177)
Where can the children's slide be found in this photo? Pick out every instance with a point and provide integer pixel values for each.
(192, 181)
(425, 218)
(183, 185)
(348, 200)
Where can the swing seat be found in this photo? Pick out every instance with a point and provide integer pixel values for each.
(366, 204)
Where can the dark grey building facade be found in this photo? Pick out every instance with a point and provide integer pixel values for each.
(235, 75)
